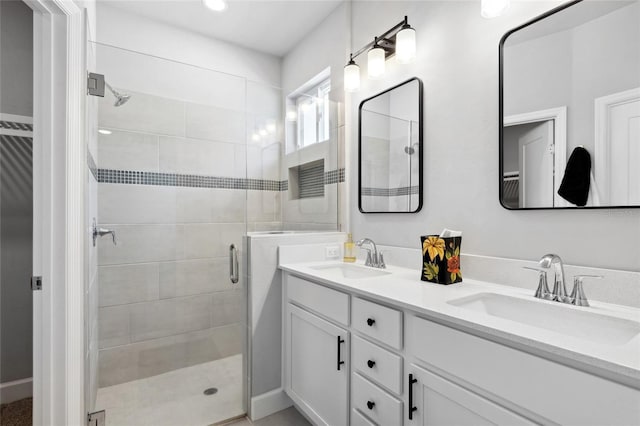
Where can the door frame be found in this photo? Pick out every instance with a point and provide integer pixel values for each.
(59, 229)
(559, 117)
(603, 106)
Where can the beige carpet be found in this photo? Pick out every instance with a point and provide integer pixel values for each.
(17, 413)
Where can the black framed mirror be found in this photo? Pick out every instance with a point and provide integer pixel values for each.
(570, 108)
(390, 160)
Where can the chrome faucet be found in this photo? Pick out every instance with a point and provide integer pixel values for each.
(559, 291)
(374, 258)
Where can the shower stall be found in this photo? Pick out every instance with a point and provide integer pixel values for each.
(185, 162)
(178, 186)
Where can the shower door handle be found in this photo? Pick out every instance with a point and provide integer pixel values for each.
(233, 264)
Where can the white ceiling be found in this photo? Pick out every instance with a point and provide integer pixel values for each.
(270, 26)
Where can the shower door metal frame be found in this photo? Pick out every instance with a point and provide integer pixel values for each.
(59, 228)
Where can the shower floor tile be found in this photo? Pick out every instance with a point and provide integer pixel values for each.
(176, 398)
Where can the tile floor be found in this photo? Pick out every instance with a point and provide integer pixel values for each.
(176, 398)
(288, 417)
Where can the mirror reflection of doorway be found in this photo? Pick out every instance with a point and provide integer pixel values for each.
(528, 164)
(534, 151)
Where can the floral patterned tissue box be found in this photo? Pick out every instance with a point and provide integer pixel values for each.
(441, 259)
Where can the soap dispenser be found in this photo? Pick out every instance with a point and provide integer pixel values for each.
(349, 250)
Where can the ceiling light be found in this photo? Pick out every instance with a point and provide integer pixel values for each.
(215, 5)
(104, 132)
(493, 8)
(271, 127)
(375, 61)
(406, 43)
(255, 137)
(351, 76)
(292, 115)
(263, 132)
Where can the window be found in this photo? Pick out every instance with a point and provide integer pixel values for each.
(311, 117)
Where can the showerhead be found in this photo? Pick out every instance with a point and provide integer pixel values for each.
(121, 98)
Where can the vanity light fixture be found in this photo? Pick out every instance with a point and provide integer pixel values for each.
(399, 40)
(215, 5)
(493, 8)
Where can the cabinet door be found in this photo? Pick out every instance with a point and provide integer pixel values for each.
(318, 367)
(437, 401)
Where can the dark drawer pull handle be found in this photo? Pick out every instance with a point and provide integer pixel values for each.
(370, 405)
(370, 322)
(371, 363)
(411, 407)
(340, 362)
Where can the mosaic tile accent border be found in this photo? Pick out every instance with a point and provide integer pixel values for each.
(390, 192)
(131, 177)
(13, 125)
(334, 176)
(175, 179)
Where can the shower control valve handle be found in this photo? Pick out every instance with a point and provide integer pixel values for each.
(100, 232)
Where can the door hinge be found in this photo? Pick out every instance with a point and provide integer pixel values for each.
(96, 418)
(95, 84)
(36, 283)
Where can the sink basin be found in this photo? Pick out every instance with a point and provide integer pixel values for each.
(582, 324)
(351, 271)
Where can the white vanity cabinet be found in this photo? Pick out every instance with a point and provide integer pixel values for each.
(435, 401)
(316, 351)
(400, 368)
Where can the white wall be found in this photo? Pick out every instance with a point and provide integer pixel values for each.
(140, 34)
(458, 63)
(326, 45)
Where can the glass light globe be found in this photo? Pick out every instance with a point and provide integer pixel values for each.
(351, 77)
(375, 62)
(406, 45)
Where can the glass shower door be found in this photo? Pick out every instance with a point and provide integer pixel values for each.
(171, 172)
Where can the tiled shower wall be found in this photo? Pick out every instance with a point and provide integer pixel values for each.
(166, 300)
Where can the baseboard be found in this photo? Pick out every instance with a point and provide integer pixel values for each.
(268, 403)
(15, 390)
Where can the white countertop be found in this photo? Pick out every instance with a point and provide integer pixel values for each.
(403, 288)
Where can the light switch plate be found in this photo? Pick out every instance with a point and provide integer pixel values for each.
(332, 252)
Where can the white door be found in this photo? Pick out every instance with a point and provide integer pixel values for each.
(319, 367)
(439, 402)
(535, 158)
(618, 148)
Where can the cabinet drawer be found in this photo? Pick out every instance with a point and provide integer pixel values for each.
(358, 419)
(517, 377)
(378, 364)
(325, 301)
(377, 321)
(383, 408)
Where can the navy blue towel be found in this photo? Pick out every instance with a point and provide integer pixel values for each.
(575, 183)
